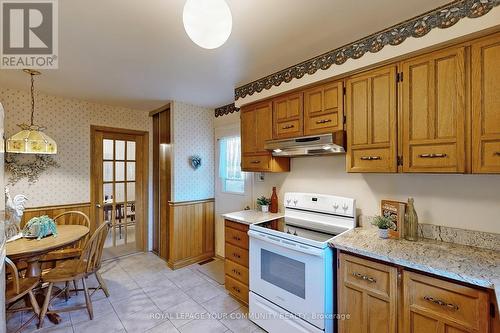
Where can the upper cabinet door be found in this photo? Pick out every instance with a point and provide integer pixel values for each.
(256, 127)
(248, 144)
(486, 105)
(324, 109)
(288, 116)
(433, 112)
(371, 121)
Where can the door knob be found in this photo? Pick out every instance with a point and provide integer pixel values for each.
(98, 206)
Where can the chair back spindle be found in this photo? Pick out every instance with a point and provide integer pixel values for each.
(15, 274)
(92, 253)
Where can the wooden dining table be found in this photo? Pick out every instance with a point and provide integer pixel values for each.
(31, 250)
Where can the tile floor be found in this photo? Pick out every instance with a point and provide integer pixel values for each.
(146, 296)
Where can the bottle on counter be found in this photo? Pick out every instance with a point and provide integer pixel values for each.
(273, 208)
(411, 222)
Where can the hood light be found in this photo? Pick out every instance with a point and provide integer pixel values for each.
(277, 150)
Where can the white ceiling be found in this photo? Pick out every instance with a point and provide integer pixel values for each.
(135, 53)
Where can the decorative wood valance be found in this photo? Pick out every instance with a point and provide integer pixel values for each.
(442, 17)
(226, 109)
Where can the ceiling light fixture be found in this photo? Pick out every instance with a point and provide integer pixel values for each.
(207, 22)
(31, 139)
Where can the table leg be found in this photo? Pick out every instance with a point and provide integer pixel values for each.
(34, 269)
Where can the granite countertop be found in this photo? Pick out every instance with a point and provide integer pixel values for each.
(476, 266)
(251, 216)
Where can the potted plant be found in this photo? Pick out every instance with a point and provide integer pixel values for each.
(264, 202)
(384, 224)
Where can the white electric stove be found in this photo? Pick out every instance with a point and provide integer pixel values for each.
(292, 271)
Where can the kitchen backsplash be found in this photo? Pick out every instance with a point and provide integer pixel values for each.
(469, 202)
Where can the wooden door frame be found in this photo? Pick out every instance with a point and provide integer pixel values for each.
(144, 165)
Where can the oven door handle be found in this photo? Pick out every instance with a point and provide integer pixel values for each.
(286, 244)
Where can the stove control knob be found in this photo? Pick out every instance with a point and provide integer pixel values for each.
(288, 201)
(344, 207)
(295, 233)
(288, 231)
(295, 202)
(335, 206)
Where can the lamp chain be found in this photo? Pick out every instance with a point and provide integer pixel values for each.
(32, 98)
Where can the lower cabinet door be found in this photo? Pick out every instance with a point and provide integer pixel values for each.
(367, 292)
(434, 305)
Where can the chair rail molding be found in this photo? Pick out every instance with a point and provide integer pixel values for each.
(442, 17)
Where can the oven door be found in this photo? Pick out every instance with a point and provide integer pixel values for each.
(289, 274)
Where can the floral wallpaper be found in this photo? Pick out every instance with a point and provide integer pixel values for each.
(68, 123)
(192, 134)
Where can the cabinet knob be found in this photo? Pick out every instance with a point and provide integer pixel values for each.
(370, 158)
(432, 155)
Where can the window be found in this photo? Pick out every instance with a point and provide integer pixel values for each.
(233, 179)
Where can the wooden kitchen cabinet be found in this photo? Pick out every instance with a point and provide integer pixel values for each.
(236, 261)
(378, 300)
(433, 112)
(256, 129)
(288, 116)
(371, 121)
(433, 305)
(367, 291)
(486, 105)
(324, 108)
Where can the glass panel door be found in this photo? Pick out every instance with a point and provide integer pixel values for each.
(119, 188)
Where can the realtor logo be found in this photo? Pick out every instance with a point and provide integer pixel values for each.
(28, 34)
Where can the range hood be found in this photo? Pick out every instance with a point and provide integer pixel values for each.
(324, 144)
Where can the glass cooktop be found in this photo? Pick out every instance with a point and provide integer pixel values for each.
(294, 230)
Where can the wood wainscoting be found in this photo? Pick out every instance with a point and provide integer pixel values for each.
(53, 211)
(191, 232)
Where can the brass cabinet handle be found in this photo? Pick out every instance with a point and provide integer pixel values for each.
(442, 303)
(287, 127)
(236, 272)
(238, 290)
(432, 155)
(236, 238)
(364, 277)
(255, 162)
(236, 255)
(370, 158)
(497, 153)
(324, 121)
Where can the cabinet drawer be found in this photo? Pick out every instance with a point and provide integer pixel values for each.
(372, 160)
(257, 162)
(368, 275)
(288, 128)
(237, 237)
(237, 289)
(490, 156)
(236, 271)
(434, 158)
(452, 303)
(236, 254)
(321, 123)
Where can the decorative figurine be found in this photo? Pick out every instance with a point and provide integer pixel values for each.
(39, 227)
(14, 210)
